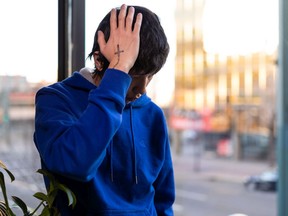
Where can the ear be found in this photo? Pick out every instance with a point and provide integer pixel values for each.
(97, 62)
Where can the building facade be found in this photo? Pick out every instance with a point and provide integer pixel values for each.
(222, 76)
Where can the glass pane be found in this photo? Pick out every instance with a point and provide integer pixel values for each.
(28, 54)
(225, 142)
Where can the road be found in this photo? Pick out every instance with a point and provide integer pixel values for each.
(216, 189)
(218, 198)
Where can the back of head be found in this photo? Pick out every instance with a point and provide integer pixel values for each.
(154, 47)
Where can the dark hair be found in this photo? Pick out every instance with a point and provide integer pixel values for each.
(154, 47)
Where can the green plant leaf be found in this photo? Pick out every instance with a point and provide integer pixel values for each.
(4, 192)
(21, 204)
(51, 196)
(3, 210)
(70, 195)
(36, 209)
(3, 166)
(41, 196)
(50, 212)
(45, 212)
(49, 176)
(46, 173)
(46, 199)
(54, 187)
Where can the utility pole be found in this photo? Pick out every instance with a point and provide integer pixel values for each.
(282, 111)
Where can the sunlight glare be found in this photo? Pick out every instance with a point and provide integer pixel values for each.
(240, 27)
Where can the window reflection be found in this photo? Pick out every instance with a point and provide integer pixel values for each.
(28, 56)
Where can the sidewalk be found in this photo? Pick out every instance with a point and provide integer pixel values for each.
(211, 167)
(208, 167)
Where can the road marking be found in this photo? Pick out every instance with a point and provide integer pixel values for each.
(177, 208)
(191, 195)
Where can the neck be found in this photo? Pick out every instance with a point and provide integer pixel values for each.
(96, 79)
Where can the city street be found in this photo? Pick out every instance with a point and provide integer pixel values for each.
(220, 81)
(216, 189)
(205, 186)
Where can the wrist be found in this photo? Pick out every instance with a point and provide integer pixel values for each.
(119, 66)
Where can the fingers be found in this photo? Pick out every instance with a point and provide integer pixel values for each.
(113, 20)
(125, 22)
(122, 16)
(129, 18)
(137, 25)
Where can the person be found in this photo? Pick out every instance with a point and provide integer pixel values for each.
(100, 134)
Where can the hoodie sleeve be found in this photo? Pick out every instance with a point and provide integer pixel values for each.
(165, 186)
(74, 143)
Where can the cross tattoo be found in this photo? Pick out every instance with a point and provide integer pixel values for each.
(118, 54)
(118, 51)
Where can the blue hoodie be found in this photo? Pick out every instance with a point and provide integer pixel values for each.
(114, 156)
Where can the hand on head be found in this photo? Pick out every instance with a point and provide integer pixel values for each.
(122, 47)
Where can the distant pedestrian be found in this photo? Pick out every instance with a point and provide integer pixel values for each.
(100, 134)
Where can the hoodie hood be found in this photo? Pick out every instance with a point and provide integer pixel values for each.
(87, 74)
(143, 100)
(79, 81)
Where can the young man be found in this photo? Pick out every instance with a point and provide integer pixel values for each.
(100, 134)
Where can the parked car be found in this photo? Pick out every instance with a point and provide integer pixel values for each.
(266, 181)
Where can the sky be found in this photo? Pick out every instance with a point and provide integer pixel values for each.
(28, 39)
(252, 26)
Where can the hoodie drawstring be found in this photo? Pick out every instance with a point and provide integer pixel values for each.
(111, 161)
(134, 153)
(134, 148)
